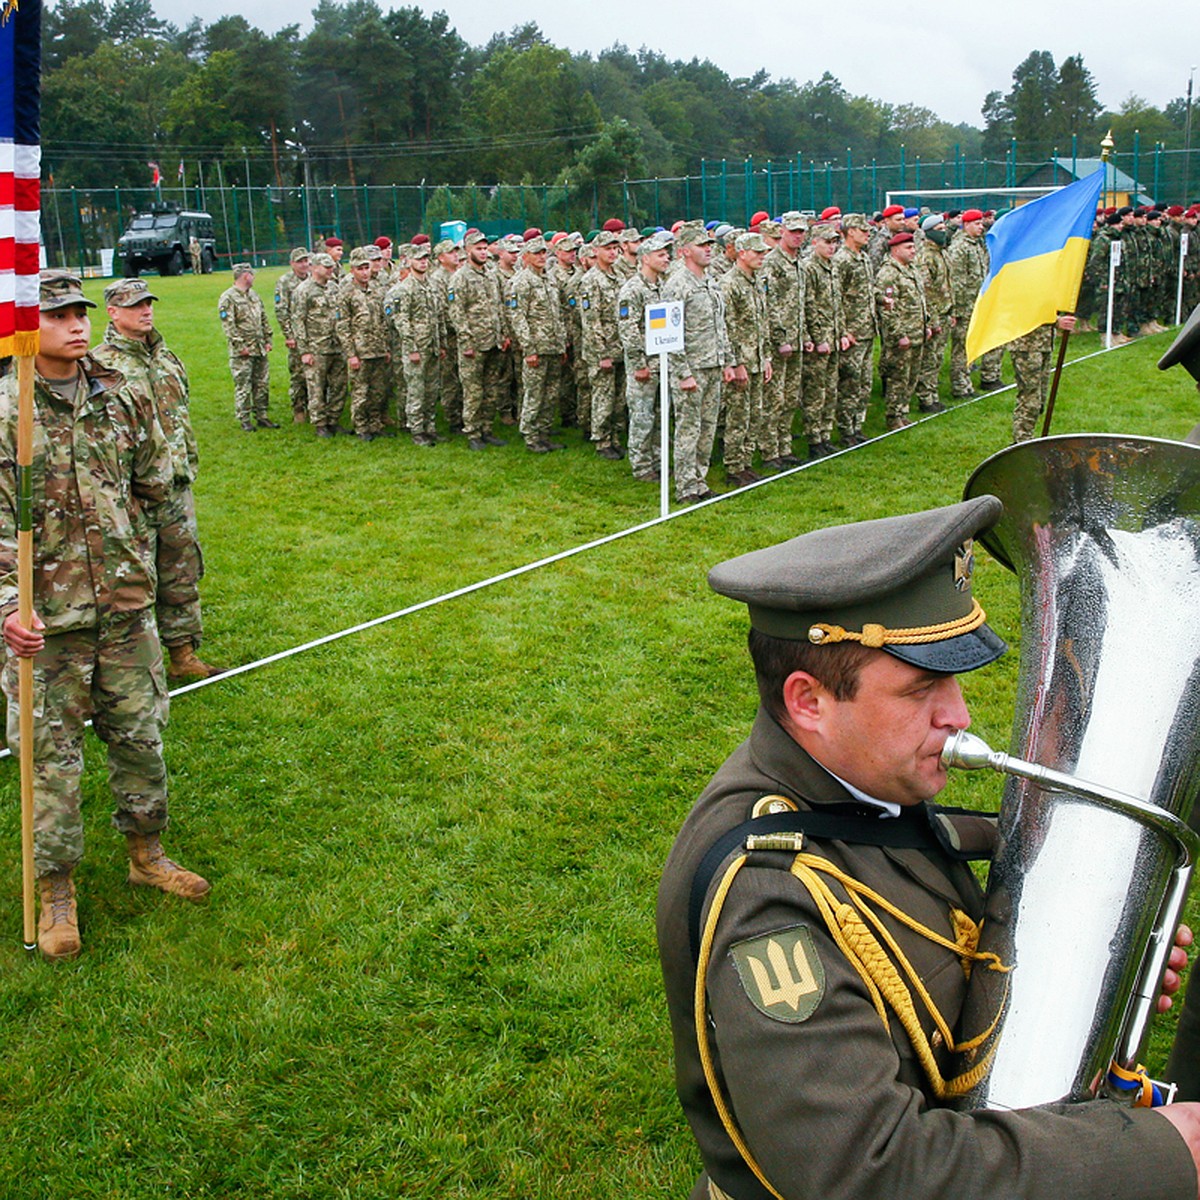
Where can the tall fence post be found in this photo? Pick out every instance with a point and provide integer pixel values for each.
(78, 225)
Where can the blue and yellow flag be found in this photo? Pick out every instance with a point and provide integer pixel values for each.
(1038, 252)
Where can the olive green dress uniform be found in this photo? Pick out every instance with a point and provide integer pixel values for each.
(642, 397)
(783, 278)
(856, 286)
(362, 334)
(314, 318)
(747, 327)
(598, 291)
(244, 320)
(907, 317)
(822, 325)
(414, 312)
(939, 297)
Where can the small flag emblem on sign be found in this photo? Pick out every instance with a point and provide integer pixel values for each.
(658, 318)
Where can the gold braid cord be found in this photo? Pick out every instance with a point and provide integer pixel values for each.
(879, 635)
(883, 979)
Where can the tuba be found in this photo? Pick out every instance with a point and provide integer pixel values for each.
(1094, 854)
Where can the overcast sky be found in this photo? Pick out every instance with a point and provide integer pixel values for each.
(942, 57)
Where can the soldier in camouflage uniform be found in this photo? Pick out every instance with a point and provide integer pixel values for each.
(473, 308)
(284, 291)
(891, 222)
(750, 355)
(103, 466)
(939, 297)
(448, 260)
(701, 367)
(541, 333)
(244, 320)
(626, 265)
(314, 320)
(412, 306)
(602, 349)
(362, 335)
(968, 259)
(642, 384)
(507, 250)
(824, 339)
(856, 287)
(136, 349)
(1033, 359)
(575, 388)
(783, 281)
(903, 328)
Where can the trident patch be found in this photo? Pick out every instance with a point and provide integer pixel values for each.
(781, 973)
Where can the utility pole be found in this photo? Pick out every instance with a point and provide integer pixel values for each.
(1187, 138)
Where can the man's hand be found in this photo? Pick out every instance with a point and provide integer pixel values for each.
(306, 359)
(689, 384)
(468, 352)
(532, 359)
(414, 356)
(290, 343)
(726, 374)
(786, 350)
(24, 643)
(354, 362)
(605, 364)
(1176, 962)
(1186, 1119)
(642, 374)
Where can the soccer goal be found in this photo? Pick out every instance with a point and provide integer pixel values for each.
(942, 199)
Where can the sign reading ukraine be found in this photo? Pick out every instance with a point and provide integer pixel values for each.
(664, 327)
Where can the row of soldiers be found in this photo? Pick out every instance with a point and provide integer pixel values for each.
(1156, 243)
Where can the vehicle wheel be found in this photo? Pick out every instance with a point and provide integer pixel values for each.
(206, 262)
(132, 268)
(174, 264)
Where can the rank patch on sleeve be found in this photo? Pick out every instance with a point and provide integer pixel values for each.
(781, 973)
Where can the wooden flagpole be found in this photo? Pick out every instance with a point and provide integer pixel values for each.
(25, 371)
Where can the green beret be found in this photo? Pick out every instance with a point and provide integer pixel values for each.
(901, 584)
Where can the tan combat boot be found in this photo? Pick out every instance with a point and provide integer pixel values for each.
(150, 867)
(185, 665)
(58, 922)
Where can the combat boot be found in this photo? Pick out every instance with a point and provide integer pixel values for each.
(185, 665)
(150, 867)
(58, 922)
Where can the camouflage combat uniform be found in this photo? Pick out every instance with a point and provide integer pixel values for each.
(783, 281)
(1032, 359)
(248, 333)
(450, 387)
(939, 298)
(473, 308)
(598, 291)
(746, 326)
(285, 290)
(856, 287)
(907, 317)
(314, 318)
(362, 334)
(968, 261)
(101, 465)
(412, 306)
(538, 320)
(153, 370)
(822, 326)
(641, 395)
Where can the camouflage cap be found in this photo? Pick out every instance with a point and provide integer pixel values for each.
(358, 256)
(374, 254)
(535, 245)
(824, 232)
(323, 260)
(473, 237)
(693, 235)
(769, 228)
(444, 247)
(751, 241)
(605, 237)
(240, 268)
(635, 235)
(125, 293)
(299, 254)
(884, 583)
(794, 220)
(421, 251)
(856, 221)
(658, 241)
(60, 289)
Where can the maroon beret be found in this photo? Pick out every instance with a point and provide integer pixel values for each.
(613, 225)
(383, 242)
(899, 239)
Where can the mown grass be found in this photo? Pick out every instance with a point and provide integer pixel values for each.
(427, 968)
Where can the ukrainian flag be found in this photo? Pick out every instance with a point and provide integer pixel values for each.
(1038, 252)
(658, 318)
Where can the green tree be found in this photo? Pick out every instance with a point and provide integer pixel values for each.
(1076, 105)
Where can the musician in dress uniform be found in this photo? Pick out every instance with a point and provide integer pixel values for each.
(818, 919)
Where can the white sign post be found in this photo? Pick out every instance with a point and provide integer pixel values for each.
(1114, 261)
(664, 336)
(1183, 249)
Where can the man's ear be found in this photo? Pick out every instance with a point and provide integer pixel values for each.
(805, 698)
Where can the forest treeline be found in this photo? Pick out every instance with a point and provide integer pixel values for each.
(369, 96)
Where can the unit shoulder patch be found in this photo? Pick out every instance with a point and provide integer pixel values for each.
(781, 973)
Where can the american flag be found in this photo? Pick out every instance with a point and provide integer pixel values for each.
(20, 169)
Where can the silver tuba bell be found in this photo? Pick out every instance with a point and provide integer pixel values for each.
(1094, 857)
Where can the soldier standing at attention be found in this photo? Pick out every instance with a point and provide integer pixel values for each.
(248, 333)
(103, 466)
(136, 349)
(507, 251)
(939, 297)
(891, 222)
(699, 370)
(824, 339)
(335, 248)
(441, 276)
(473, 308)
(413, 308)
(541, 332)
(641, 371)
(575, 392)
(783, 276)
(363, 338)
(195, 255)
(968, 259)
(856, 286)
(602, 349)
(314, 319)
(627, 264)
(284, 291)
(750, 354)
(1032, 357)
(903, 329)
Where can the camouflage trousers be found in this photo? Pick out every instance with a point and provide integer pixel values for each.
(900, 367)
(743, 416)
(642, 401)
(479, 375)
(540, 396)
(113, 674)
(509, 404)
(607, 390)
(251, 385)
(451, 386)
(781, 398)
(326, 389)
(820, 394)
(297, 384)
(960, 369)
(369, 394)
(855, 378)
(696, 415)
(932, 358)
(1032, 369)
(421, 392)
(180, 567)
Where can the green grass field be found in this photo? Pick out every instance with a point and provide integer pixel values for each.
(427, 968)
